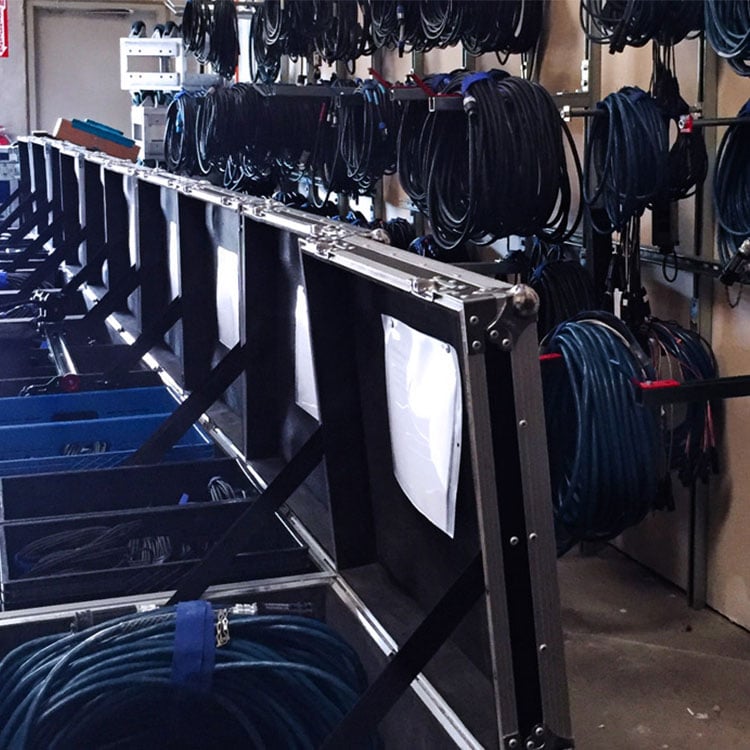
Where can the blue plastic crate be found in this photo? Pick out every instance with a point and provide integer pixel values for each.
(38, 448)
(60, 407)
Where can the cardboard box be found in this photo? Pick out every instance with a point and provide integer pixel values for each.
(65, 130)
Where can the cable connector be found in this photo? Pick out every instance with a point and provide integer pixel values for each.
(735, 269)
(470, 104)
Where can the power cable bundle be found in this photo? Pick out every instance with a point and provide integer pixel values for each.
(499, 169)
(500, 26)
(186, 676)
(732, 187)
(504, 27)
(634, 23)
(76, 550)
(212, 37)
(254, 139)
(367, 130)
(728, 31)
(626, 157)
(603, 444)
(687, 162)
(399, 230)
(565, 289)
(301, 28)
(680, 354)
(180, 150)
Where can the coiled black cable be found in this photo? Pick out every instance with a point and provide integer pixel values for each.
(732, 187)
(626, 157)
(225, 42)
(565, 289)
(603, 444)
(196, 28)
(728, 31)
(273, 681)
(367, 130)
(680, 354)
(180, 153)
(687, 162)
(634, 23)
(212, 36)
(499, 169)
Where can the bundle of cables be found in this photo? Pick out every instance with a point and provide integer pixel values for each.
(187, 676)
(180, 153)
(687, 162)
(500, 26)
(499, 169)
(213, 37)
(565, 289)
(634, 23)
(302, 28)
(732, 187)
(680, 354)
(728, 31)
(400, 231)
(367, 130)
(95, 548)
(603, 444)
(626, 157)
(427, 247)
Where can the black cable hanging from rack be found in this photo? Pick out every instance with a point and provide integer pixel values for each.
(635, 23)
(681, 355)
(484, 173)
(210, 32)
(728, 32)
(564, 287)
(732, 190)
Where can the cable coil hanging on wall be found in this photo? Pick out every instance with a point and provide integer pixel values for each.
(637, 22)
(485, 174)
(689, 438)
(604, 446)
(728, 32)
(732, 188)
(626, 157)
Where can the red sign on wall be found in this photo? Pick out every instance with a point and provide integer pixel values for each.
(3, 28)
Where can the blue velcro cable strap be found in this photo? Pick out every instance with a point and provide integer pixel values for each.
(3, 279)
(194, 645)
(471, 79)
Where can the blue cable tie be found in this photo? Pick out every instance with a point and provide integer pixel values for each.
(194, 654)
(3, 279)
(184, 499)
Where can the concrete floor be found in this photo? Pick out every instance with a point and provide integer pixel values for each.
(645, 671)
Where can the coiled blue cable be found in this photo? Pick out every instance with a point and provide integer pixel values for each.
(603, 444)
(280, 681)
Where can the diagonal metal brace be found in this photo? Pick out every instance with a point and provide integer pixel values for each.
(410, 659)
(147, 340)
(188, 412)
(256, 518)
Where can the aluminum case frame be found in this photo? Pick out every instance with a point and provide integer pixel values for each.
(350, 278)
